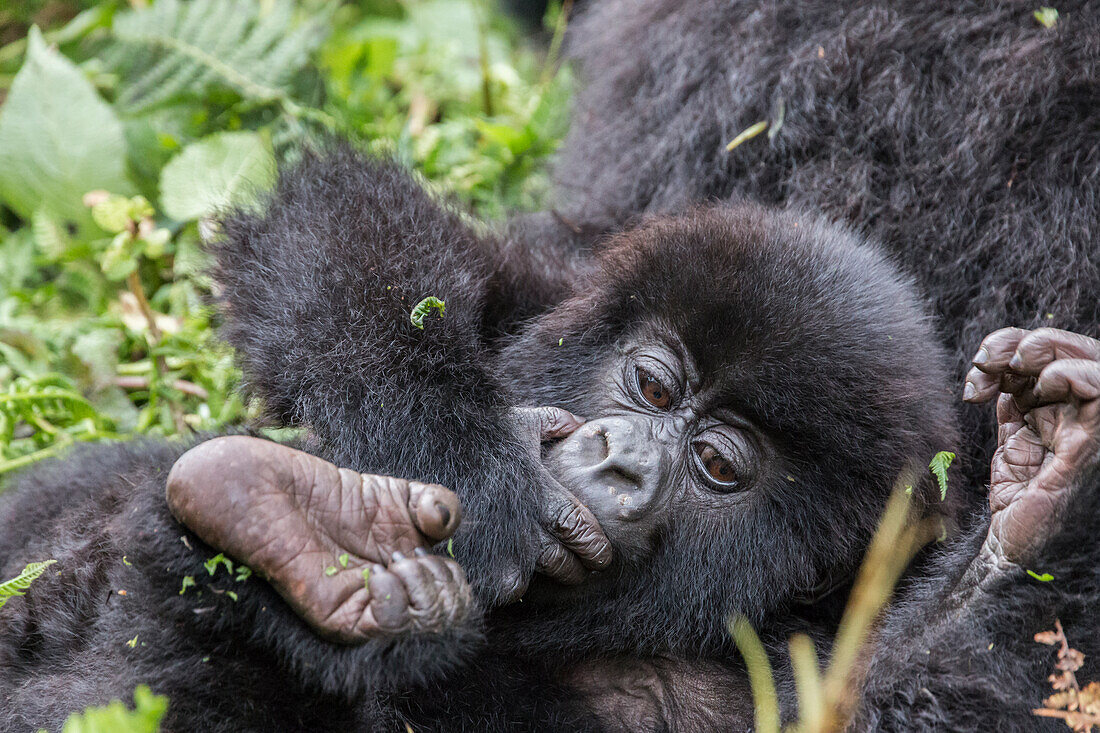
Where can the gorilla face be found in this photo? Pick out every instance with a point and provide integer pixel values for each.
(661, 444)
(754, 384)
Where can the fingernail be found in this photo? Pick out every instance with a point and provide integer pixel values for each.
(1015, 362)
(398, 557)
(980, 358)
(969, 391)
(378, 568)
(444, 513)
(420, 552)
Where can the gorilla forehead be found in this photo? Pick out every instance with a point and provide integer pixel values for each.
(787, 319)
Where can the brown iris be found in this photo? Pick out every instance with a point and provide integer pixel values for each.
(652, 390)
(717, 466)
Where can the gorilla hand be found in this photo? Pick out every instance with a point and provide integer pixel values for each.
(332, 542)
(1048, 417)
(570, 541)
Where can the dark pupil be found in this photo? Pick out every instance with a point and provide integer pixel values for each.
(653, 391)
(717, 466)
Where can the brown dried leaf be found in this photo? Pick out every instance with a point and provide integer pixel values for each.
(1063, 681)
(1060, 700)
(1070, 660)
(1050, 638)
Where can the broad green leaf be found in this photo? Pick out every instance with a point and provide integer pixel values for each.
(223, 170)
(58, 139)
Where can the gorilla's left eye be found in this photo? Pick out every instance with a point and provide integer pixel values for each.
(652, 390)
(720, 470)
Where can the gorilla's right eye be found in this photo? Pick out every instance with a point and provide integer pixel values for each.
(651, 389)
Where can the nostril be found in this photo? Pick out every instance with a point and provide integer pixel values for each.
(601, 435)
(625, 476)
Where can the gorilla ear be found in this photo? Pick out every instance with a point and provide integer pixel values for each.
(833, 579)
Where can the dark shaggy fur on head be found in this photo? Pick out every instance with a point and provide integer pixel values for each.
(962, 137)
(796, 325)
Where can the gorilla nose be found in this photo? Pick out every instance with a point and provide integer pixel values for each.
(622, 464)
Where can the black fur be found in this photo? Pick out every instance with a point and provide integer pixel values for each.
(909, 124)
(963, 136)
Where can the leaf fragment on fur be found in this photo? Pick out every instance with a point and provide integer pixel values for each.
(747, 134)
(451, 547)
(18, 585)
(1046, 16)
(1042, 578)
(212, 564)
(188, 582)
(939, 465)
(425, 307)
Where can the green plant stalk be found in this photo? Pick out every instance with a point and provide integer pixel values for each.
(764, 699)
(808, 684)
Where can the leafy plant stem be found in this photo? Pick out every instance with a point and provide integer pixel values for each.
(550, 66)
(483, 60)
(133, 282)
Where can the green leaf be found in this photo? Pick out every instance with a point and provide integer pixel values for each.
(330, 570)
(1044, 578)
(58, 139)
(939, 465)
(217, 172)
(212, 564)
(451, 547)
(114, 717)
(423, 308)
(188, 582)
(177, 49)
(243, 573)
(344, 560)
(18, 585)
(1047, 17)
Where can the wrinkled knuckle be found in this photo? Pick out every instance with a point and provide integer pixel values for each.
(568, 520)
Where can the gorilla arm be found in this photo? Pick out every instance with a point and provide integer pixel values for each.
(137, 598)
(317, 293)
(960, 655)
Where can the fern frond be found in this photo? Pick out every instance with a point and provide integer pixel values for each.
(18, 585)
(190, 47)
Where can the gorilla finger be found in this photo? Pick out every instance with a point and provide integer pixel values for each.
(1010, 418)
(574, 526)
(439, 568)
(997, 349)
(550, 422)
(980, 387)
(1069, 379)
(420, 582)
(1046, 345)
(435, 510)
(556, 562)
(389, 604)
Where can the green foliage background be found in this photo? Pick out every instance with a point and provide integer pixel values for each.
(123, 125)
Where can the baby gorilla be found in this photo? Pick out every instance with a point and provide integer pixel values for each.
(754, 383)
